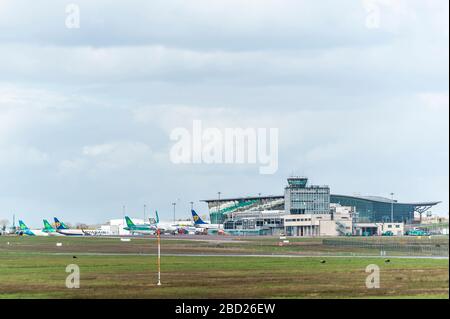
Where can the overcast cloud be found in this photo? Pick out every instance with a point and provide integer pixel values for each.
(86, 114)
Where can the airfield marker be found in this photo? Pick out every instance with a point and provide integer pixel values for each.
(158, 236)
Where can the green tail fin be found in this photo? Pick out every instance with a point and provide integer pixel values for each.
(22, 225)
(47, 225)
(129, 221)
(157, 217)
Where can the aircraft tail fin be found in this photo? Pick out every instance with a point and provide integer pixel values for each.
(157, 217)
(197, 219)
(129, 222)
(22, 225)
(47, 225)
(58, 224)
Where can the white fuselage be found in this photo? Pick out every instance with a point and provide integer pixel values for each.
(171, 227)
(53, 234)
(143, 231)
(72, 232)
(97, 232)
(209, 226)
(38, 232)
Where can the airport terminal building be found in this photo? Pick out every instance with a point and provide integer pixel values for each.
(311, 210)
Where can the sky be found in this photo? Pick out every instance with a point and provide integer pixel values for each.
(358, 91)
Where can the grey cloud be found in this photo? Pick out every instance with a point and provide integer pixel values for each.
(85, 115)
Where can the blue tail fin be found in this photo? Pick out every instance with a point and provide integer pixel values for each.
(59, 225)
(197, 219)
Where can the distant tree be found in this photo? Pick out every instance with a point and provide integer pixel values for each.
(82, 226)
(69, 225)
(4, 223)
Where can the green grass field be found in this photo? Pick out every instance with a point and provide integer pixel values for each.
(35, 268)
(392, 246)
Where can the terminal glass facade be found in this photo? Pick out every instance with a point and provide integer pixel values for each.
(376, 211)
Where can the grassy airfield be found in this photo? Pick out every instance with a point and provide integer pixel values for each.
(35, 268)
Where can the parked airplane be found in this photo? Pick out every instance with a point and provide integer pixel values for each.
(199, 223)
(64, 230)
(164, 227)
(173, 227)
(143, 229)
(48, 228)
(24, 230)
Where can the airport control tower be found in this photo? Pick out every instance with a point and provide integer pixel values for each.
(301, 198)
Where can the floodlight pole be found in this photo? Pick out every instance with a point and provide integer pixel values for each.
(123, 215)
(145, 211)
(158, 236)
(174, 212)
